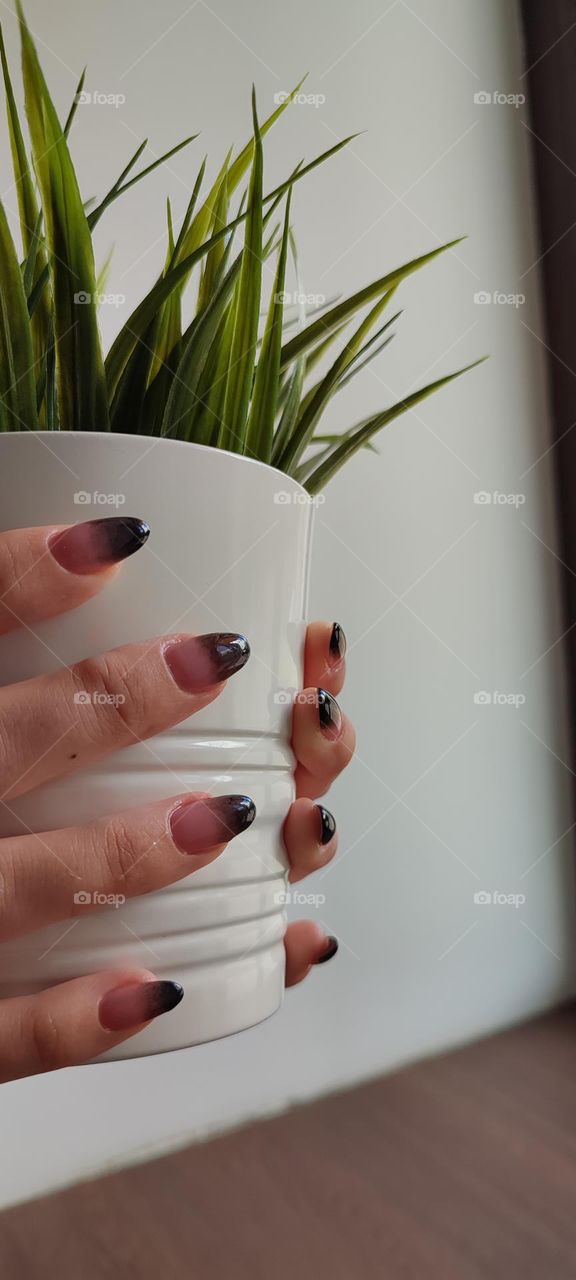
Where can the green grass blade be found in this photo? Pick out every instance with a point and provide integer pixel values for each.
(345, 310)
(75, 104)
(314, 406)
(247, 311)
(260, 430)
(120, 187)
(360, 436)
(79, 368)
(18, 410)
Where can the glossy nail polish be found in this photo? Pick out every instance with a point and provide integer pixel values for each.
(331, 949)
(136, 1002)
(201, 661)
(337, 646)
(199, 825)
(327, 824)
(329, 714)
(97, 544)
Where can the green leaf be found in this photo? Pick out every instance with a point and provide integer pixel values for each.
(359, 436)
(316, 403)
(79, 368)
(120, 187)
(17, 386)
(75, 104)
(247, 310)
(344, 310)
(260, 430)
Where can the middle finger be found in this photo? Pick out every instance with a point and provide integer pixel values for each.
(58, 723)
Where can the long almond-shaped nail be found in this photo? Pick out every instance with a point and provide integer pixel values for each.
(337, 645)
(97, 544)
(133, 1003)
(329, 714)
(201, 661)
(327, 824)
(329, 950)
(198, 825)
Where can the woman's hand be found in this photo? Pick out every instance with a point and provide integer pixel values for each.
(47, 571)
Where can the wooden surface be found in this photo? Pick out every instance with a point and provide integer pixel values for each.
(461, 1168)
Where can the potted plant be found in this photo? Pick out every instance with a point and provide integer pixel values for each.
(212, 431)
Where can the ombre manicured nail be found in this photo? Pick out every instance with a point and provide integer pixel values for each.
(337, 646)
(201, 661)
(329, 714)
(97, 544)
(136, 1002)
(198, 825)
(331, 949)
(327, 824)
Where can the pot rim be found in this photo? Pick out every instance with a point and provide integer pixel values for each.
(162, 440)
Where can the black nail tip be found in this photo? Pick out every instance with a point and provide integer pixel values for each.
(338, 643)
(122, 535)
(327, 824)
(237, 812)
(329, 712)
(229, 652)
(331, 949)
(161, 997)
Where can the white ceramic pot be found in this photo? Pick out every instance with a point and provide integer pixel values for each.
(229, 551)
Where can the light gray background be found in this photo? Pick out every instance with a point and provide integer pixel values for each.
(440, 597)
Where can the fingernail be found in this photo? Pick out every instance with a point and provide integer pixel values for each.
(200, 824)
(136, 1002)
(337, 646)
(329, 714)
(201, 661)
(331, 949)
(97, 544)
(327, 824)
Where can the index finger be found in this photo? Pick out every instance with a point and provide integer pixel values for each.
(325, 656)
(48, 570)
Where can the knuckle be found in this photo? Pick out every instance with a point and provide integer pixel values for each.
(43, 1039)
(121, 852)
(110, 696)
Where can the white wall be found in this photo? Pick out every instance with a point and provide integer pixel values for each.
(440, 597)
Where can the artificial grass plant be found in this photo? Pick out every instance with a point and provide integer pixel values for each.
(231, 377)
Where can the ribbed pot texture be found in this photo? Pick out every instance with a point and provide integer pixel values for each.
(228, 551)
